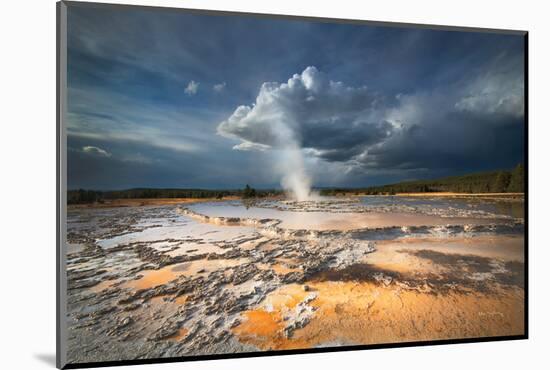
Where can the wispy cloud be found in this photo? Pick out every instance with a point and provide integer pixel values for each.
(248, 146)
(192, 88)
(94, 150)
(108, 116)
(219, 87)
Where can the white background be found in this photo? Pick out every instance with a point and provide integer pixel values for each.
(27, 134)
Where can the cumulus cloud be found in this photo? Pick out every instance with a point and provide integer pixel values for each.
(219, 87)
(95, 151)
(318, 113)
(192, 88)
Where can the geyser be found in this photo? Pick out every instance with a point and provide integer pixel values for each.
(294, 177)
(289, 163)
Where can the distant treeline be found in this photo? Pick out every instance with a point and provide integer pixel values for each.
(82, 196)
(484, 182)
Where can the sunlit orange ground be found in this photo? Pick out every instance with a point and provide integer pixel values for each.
(153, 278)
(365, 313)
(179, 335)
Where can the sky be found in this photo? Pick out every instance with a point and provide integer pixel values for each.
(169, 99)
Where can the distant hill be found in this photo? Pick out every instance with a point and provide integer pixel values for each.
(483, 182)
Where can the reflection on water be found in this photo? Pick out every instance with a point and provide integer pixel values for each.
(176, 228)
(368, 212)
(508, 207)
(514, 209)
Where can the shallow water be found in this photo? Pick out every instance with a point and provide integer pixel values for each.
(506, 207)
(368, 212)
(176, 228)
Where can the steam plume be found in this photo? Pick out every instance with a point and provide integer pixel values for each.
(289, 160)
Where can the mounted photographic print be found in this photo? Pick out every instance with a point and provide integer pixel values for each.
(234, 184)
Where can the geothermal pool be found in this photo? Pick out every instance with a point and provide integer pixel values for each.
(366, 212)
(233, 276)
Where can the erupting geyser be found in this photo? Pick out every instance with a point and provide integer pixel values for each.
(294, 178)
(289, 163)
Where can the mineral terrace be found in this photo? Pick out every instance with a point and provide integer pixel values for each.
(178, 280)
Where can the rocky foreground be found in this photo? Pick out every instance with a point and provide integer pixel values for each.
(148, 282)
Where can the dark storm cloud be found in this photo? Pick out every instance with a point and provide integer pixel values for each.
(460, 126)
(467, 126)
(383, 104)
